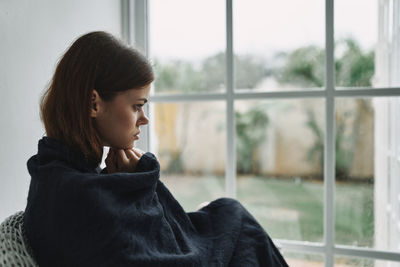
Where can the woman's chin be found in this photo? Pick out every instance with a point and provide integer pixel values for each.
(129, 146)
(123, 147)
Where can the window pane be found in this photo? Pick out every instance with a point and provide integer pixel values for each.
(367, 46)
(362, 262)
(187, 44)
(190, 145)
(279, 148)
(279, 45)
(368, 172)
(303, 260)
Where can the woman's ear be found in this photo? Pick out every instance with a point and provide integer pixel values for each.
(96, 104)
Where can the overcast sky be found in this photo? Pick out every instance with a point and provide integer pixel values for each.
(194, 29)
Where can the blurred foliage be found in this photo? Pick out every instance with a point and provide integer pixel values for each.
(354, 68)
(316, 151)
(305, 66)
(344, 153)
(250, 71)
(178, 76)
(207, 76)
(251, 132)
(344, 146)
(175, 162)
(302, 67)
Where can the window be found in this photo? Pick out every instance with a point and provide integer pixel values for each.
(290, 106)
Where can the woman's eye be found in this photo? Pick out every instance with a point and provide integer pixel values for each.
(137, 107)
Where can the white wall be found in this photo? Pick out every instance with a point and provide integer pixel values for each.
(33, 36)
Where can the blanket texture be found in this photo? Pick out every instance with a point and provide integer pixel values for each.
(77, 216)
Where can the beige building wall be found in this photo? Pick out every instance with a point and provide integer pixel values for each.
(196, 132)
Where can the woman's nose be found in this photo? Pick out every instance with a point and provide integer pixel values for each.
(143, 120)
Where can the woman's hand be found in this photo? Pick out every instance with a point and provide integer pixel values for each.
(123, 160)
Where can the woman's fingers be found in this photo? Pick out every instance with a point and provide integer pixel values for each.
(120, 160)
(126, 161)
(138, 152)
(134, 157)
(132, 154)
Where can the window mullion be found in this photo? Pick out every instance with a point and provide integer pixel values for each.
(137, 35)
(140, 25)
(329, 163)
(230, 171)
(126, 23)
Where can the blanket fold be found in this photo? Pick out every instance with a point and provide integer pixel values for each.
(76, 216)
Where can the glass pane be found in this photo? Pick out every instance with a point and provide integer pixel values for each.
(279, 148)
(367, 202)
(303, 260)
(187, 44)
(279, 45)
(362, 262)
(366, 47)
(192, 160)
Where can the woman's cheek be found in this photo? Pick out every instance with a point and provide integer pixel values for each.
(133, 120)
(124, 120)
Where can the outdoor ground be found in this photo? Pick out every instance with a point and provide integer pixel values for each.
(289, 208)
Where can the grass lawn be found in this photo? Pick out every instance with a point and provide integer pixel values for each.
(288, 209)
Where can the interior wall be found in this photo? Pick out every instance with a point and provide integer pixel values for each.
(33, 36)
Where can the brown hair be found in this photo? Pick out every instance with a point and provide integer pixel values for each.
(99, 61)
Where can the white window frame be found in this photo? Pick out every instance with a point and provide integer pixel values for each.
(135, 30)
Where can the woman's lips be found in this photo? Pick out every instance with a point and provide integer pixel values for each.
(136, 136)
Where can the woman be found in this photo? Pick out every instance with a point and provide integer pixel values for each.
(123, 215)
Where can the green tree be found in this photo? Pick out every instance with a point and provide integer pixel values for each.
(305, 66)
(354, 67)
(343, 144)
(251, 132)
(209, 76)
(177, 76)
(249, 71)
(302, 67)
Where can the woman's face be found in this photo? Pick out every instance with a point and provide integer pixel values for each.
(118, 121)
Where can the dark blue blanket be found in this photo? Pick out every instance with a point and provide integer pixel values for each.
(76, 216)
